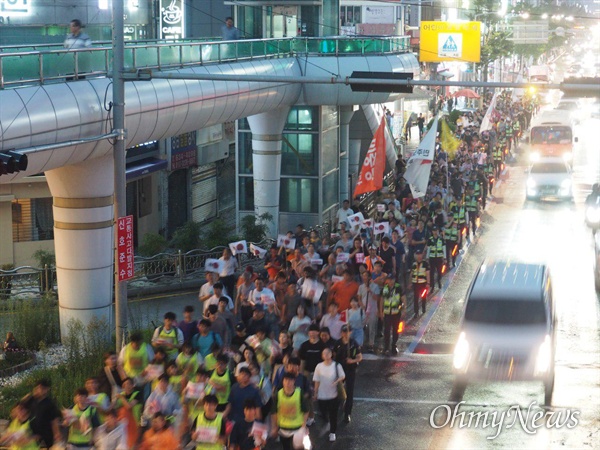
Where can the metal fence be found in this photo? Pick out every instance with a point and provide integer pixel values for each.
(170, 268)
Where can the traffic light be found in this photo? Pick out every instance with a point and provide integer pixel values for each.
(11, 162)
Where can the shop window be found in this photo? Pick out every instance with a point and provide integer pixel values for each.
(300, 155)
(246, 197)
(331, 189)
(299, 195)
(32, 219)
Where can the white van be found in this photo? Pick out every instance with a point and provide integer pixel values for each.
(508, 329)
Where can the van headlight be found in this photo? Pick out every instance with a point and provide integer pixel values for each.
(534, 156)
(461, 352)
(544, 357)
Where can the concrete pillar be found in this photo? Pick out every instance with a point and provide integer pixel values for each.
(346, 113)
(83, 239)
(267, 129)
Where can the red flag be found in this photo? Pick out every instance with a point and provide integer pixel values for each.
(371, 174)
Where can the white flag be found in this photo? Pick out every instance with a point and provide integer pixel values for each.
(418, 167)
(286, 242)
(257, 251)
(214, 265)
(238, 247)
(368, 223)
(486, 122)
(381, 228)
(356, 220)
(381, 207)
(312, 290)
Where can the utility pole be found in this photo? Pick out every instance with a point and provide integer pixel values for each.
(118, 109)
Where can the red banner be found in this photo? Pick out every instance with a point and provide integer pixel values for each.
(125, 248)
(371, 174)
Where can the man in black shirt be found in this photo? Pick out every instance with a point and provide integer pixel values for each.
(349, 354)
(245, 435)
(388, 254)
(46, 416)
(310, 355)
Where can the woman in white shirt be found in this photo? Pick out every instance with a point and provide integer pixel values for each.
(326, 378)
(299, 327)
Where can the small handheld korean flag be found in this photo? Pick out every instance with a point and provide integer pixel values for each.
(381, 228)
(257, 251)
(355, 220)
(286, 242)
(238, 247)
(344, 316)
(381, 207)
(368, 223)
(214, 265)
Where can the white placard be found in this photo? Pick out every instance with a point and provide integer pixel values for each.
(257, 251)
(381, 207)
(342, 258)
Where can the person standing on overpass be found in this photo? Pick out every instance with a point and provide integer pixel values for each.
(77, 38)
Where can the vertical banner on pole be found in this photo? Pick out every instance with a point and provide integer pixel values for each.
(125, 248)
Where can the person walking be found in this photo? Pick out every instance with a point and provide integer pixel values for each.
(392, 305)
(76, 38)
(328, 374)
(451, 237)
(289, 412)
(229, 32)
(421, 125)
(348, 354)
(436, 254)
(419, 280)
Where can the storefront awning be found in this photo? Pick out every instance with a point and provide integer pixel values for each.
(144, 167)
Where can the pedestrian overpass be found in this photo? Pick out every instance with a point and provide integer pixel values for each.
(54, 104)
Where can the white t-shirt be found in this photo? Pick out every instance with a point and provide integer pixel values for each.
(264, 297)
(326, 375)
(206, 289)
(214, 300)
(342, 215)
(229, 266)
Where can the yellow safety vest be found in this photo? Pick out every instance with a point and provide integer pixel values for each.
(461, 213)
(392, 299)
(24, 429)
(289, 410)
(222, 380)
(135, 360)
(76, 436)
(419, 272)
(185, 362)
(170, 337)
(451, 232)
(436, 247)
(203, 423)
(472, 204)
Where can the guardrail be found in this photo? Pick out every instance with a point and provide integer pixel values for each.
(41, 66)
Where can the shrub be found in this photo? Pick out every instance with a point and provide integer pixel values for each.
(187, 237)
(85, 346)
(217, 234)
(255, 228)
(34, 322)
(152, 244)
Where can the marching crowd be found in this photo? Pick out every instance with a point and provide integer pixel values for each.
(263, 350)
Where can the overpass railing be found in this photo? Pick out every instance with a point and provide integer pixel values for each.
(49, 64)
